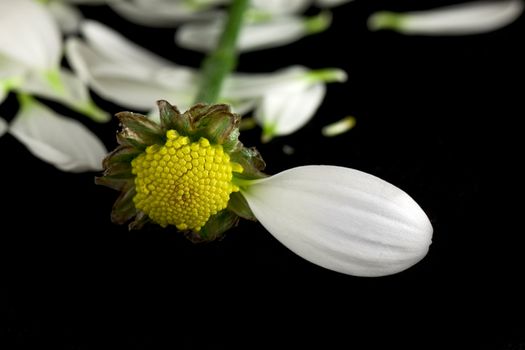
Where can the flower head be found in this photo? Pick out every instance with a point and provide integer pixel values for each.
(182, 172)
(191, 172)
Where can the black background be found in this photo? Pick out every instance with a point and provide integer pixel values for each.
(437, 117)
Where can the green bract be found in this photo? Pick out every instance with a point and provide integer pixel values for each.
(199, 125)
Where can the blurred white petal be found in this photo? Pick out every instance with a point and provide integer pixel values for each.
(3, 125)
(284, 113)
(29, 34)
(163, 13)
(136, 86)
(342, 219)
(64, 87)
(255, 85)
(339, 127)
(281, 6)
(463, 19)
(116, 47)
(63, 142)
(68, 17)
(331, 3)
(287, 99)
(277, 31)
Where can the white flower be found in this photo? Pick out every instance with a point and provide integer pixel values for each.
(259, 32)
(288, 98)
(165, 13)
(342, 219)
(3, 126)
(63, 142)
(463, 19)
(30, 53)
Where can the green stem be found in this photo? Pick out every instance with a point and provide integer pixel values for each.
(223, 60)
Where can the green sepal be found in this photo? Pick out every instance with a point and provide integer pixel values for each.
(218, 126)
(119, 171)
(232, 142)
(251, 161)
(138, 129)
(124, 208)
(240, 207)
(171, 118)
(115, 184)
(215, 227)
(140, 220)
(121, 154)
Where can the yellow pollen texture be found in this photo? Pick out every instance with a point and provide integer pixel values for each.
(183, 183)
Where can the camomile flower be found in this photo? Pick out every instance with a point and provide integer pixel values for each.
(192, 173)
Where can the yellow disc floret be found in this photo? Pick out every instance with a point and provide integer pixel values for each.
(183, 183)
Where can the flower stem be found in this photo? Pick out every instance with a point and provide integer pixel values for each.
(223, 59)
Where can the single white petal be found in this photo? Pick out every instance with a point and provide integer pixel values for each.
(284, 113)
(342, 219)
(281, 7)
(63, 142)
(116, 47)
(68, 17)
(250, 85)
(463, 19)
(64, 87)
(29, 34)
(331, 3)
(163, 13)
(135, 86)
(3, 125)
(89, 2)
(254, 36)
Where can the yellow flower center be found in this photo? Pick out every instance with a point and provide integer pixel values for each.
(183, 183)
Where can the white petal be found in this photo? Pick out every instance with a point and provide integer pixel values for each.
(469, 18)
(116, 47)
(342, 219)
(276, 32)
(64, 87)
(249, 85)
(162, 13)
(68, 17)
(11, 76)
(63, 142)
(89, 2)
(135, 86)
(283, 113)
(331, 3)
(29, 34)
(3, 125)
(281, 6)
